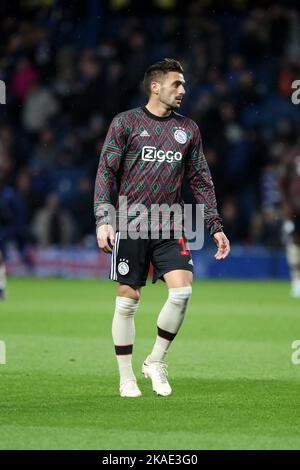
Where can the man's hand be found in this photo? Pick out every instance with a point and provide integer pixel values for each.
(223, 245)
(106, 238)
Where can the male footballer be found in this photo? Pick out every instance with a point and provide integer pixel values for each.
(147, 153)
(290, 191)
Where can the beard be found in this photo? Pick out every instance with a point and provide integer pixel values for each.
(170, 103)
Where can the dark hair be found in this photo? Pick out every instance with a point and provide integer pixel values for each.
(160, 68)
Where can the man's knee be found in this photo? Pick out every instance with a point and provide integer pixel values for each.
(178, 278)
(293, 253)
(131, 292)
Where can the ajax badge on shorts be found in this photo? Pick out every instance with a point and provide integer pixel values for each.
(123, 267)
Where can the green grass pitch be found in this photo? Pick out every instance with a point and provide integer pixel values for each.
(230, 367)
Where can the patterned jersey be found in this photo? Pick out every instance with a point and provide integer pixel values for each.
(148, 156)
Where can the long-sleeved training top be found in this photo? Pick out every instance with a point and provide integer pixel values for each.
(147, 157)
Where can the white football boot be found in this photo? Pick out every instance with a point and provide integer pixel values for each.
(157, 372)
(129, 388)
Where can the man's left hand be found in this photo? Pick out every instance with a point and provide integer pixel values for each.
(223, 245)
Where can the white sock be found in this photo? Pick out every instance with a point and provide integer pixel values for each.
(169, 321)
(123, 332)
(293, 257)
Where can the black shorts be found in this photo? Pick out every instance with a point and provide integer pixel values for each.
(131, 259)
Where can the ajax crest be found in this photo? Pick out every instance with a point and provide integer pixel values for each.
(180, 136)
(123, 268)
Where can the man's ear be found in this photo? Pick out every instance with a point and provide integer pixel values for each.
(155, 87)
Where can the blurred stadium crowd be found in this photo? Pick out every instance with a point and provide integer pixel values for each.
(69, 67)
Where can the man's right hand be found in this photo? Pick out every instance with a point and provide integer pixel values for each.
(106, 237)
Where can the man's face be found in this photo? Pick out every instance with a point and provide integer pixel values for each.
(171, 89)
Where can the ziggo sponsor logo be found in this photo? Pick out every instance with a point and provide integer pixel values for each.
(151, 154)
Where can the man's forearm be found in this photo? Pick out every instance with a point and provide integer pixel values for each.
(105, 214)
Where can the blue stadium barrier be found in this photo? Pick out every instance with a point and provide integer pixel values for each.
(243, 263)
(79, 262)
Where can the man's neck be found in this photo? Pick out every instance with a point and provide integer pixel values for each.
(158, 109)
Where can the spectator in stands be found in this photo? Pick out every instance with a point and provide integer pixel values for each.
(53, 225)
